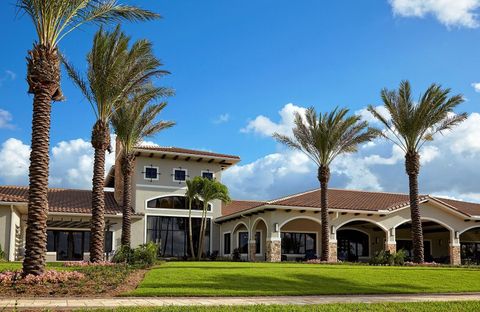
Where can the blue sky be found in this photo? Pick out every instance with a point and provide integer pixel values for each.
(232, 61)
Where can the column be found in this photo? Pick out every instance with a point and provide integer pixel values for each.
(252, 247)
(332, 251)
(454, 250)
(390, 241)
(274, 249)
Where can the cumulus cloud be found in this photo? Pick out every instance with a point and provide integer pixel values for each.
(476, 86)
(266, 127)
(5, 119)
(222, 118)
(461, 13)
(71, 163)
(449, 168)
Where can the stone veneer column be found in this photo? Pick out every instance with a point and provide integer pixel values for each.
(455, 256)
(274, 250)
(252, 247)
(391, 247)
(332, 251)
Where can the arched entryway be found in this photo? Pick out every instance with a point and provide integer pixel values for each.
(436, 240)
(240, 238)
(359, 240)
(300, 238)
(470, 245)
(257, 244)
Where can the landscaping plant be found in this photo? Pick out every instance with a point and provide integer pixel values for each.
(409, 125)
(53, 20)
(323, 137)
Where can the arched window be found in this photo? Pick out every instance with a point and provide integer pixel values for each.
(175, 202)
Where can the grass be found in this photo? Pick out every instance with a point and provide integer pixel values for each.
(348, 307)
(263, 279)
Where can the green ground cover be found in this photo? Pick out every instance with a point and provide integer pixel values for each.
(263, 279)
(375, 307)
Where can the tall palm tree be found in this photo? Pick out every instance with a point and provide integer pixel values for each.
(409, 125)
(53, 20)
(322, 139)
(209, 190)
(191, 195)
(132, 122)
(114, 73)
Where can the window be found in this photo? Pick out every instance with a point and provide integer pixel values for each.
(243, 242)
(179, 175)
(352, 244)
(226, 243)
(257, 242)
(150, 173)
(175, 202)
(207, 174)
(171, 234)
(71, 245)
(298, 243)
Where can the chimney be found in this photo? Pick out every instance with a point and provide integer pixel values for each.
(118, 194)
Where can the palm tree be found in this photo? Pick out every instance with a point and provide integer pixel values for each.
(114, 73)
(322, 139)
(132, 122)
(53, 20)
(209, 190)
(192, 195)
(409, 125)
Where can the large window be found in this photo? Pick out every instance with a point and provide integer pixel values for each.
(257, 242)
(175, 202)
(70, 245)
(470, 252)
(171, 234)
(243, 242)
(352, 245)
(226, 243)
(298, 243)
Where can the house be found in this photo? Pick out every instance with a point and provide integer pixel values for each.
(361, 223)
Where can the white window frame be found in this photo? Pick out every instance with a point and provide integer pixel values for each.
(173, 175)
(207, 171)
(145, 173)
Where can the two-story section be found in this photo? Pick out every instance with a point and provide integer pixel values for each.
(159, 185)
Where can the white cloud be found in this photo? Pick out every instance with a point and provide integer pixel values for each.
(264, 126)
(461, 13)
(223, 118)
(476, 86)
(7, 75)
(71, 163)
(148, 143)
(367, 116)
(5, 119)
(449, 167)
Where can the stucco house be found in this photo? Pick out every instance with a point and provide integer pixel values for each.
(361, 223)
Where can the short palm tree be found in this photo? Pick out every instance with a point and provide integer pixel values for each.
(209, 190)
(409, 125)
(53, 20)
(115, 72)
(191, 195)
(132, 122)
(322, 139)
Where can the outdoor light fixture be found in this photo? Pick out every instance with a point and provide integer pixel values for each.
(456, 234)
(276, 227)
(332, 230)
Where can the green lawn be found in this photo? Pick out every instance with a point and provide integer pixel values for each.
(376, 307)
(262, 279)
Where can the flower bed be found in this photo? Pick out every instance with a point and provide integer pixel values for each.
(87, 264)
(13, 278)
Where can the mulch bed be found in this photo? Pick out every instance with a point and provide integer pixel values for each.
(98, 282)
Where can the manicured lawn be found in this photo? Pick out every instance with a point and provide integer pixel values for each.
(383, 307)
(262, 279)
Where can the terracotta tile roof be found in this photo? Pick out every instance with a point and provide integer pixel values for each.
(351, 200)
(186, 151)
(239, 205)
(62, 200)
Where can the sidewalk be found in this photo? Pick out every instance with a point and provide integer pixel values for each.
(72, 303)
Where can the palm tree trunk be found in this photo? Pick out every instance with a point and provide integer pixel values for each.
(200, 237)
(412, 165)
(44, 83)
(324, 177)
(127, 168)
(100, 143)
(190, 231)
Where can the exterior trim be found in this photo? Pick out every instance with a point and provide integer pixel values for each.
(145, 173)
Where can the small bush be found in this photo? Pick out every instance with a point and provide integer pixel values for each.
(144, 255)
(236, 255)
(387, 258)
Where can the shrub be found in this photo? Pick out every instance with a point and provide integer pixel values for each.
(144, 255)
(236, 255)
(86, 263)
(387, 258)
(9, 278)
